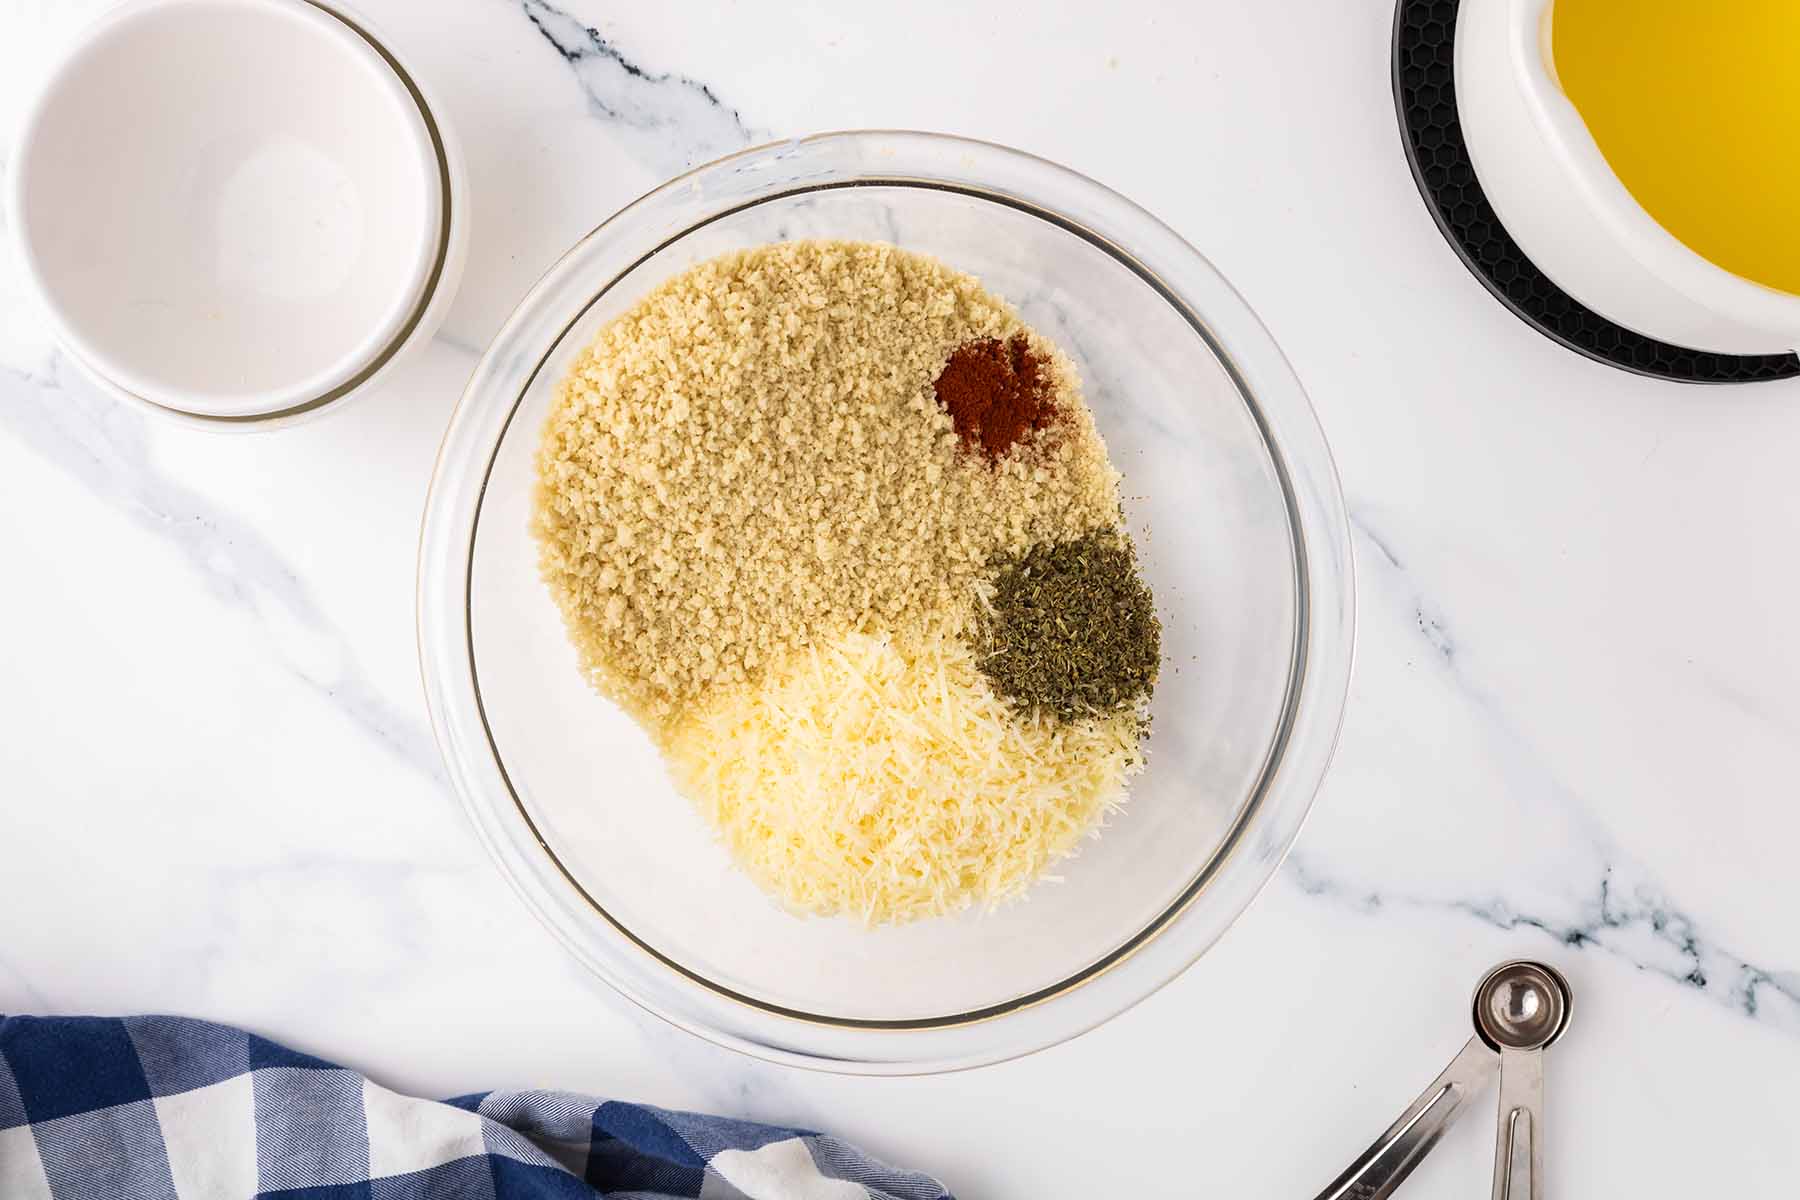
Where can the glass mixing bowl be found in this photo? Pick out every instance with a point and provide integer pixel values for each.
(1229, 489)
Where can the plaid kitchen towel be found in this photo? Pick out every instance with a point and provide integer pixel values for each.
(162, 1108)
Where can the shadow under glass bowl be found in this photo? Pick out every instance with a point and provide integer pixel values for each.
(1229, 490)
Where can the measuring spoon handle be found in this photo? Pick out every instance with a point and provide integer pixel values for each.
(1381, 1168)
(1519, 1141)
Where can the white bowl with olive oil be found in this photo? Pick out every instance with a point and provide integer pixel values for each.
(1641, 153)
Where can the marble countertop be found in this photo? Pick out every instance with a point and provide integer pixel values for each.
(1573, 733)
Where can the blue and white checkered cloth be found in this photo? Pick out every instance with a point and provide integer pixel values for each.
(162, 1108)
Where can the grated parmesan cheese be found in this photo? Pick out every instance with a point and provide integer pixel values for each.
(888, 782)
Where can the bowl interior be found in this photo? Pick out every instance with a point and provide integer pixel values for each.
(231, 205)
(1207, 506)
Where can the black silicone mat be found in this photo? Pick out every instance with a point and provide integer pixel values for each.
(1425, 97)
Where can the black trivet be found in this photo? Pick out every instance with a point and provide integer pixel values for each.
(1425, 97)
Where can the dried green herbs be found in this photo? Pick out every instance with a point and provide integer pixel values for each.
(1071, 630)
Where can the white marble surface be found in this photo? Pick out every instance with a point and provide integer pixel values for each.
(1573, 732)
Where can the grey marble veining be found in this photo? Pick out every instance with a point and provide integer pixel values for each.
(667, 120)
(106, 446)
(1623, 912)
(1636, 925)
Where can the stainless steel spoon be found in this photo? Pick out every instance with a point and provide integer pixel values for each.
(1520, 1008)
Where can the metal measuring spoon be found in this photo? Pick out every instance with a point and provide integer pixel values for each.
(1520, 1007)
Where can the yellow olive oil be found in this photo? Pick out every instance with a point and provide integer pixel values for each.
(1696, 106)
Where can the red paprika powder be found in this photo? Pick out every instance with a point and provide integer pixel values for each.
(996, 394)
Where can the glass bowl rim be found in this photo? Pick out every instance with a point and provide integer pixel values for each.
(1262, 830)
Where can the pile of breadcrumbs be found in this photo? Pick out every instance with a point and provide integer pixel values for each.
(748, 474)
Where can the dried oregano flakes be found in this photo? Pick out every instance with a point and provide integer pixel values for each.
(1071, 630)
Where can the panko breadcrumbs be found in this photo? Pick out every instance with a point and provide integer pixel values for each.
(752, 457)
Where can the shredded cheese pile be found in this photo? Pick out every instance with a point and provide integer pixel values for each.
(887, 781)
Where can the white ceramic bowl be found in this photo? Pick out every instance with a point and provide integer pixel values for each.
(236, 210)
(1558, 198)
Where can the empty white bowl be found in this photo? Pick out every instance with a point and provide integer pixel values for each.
(237, 210)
